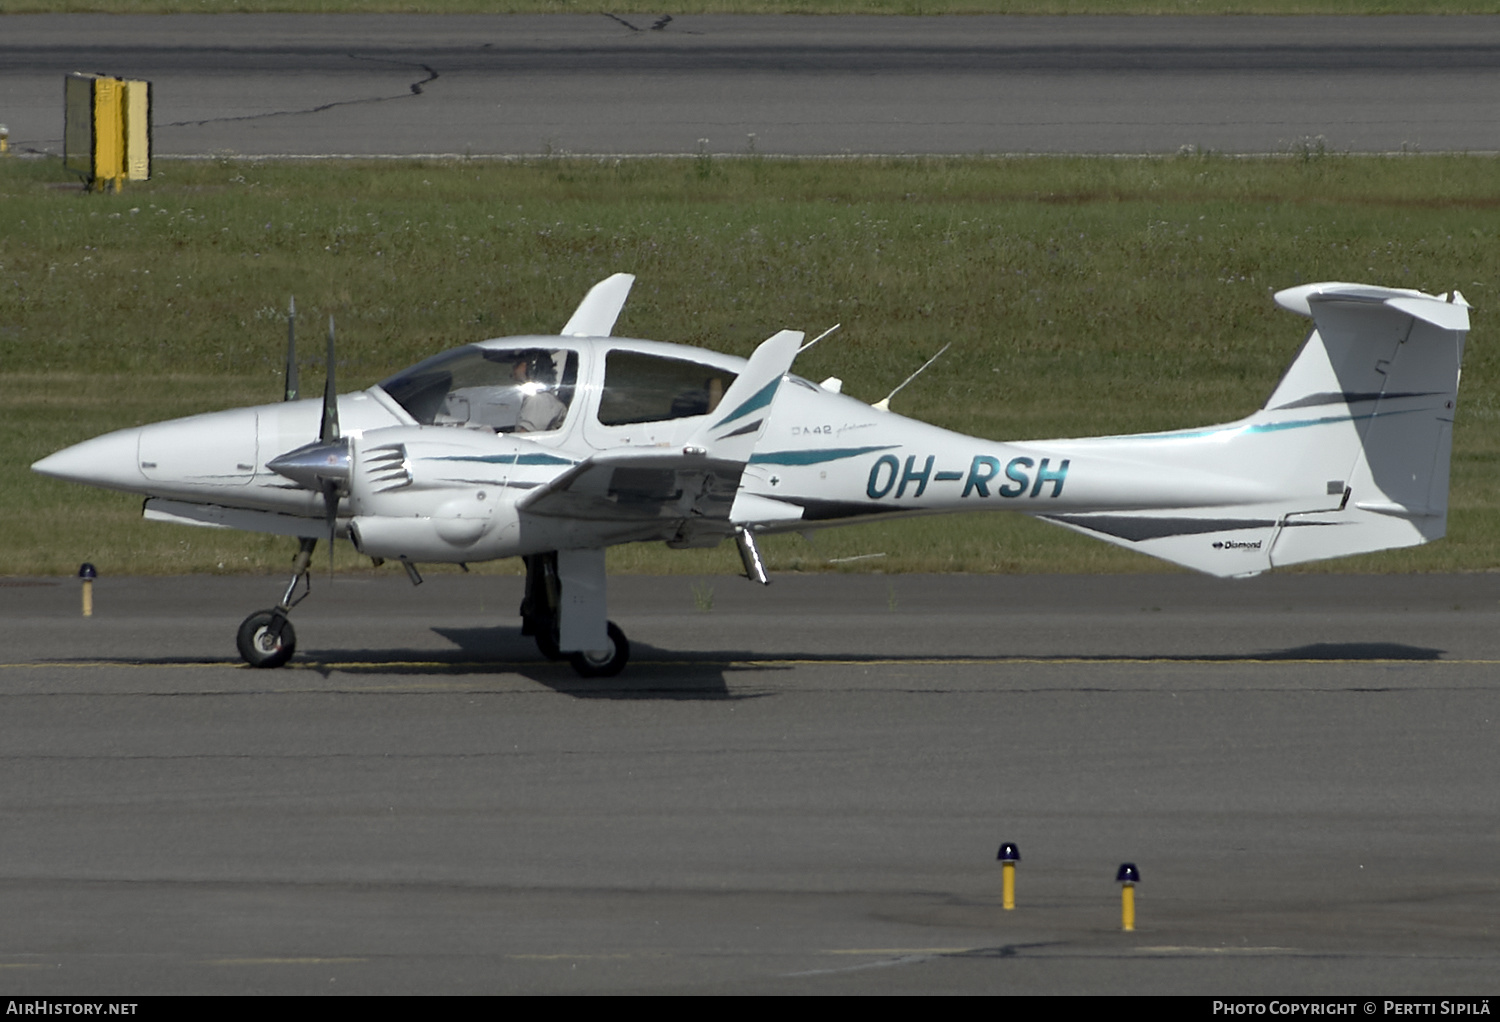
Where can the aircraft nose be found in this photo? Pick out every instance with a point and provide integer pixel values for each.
(111, 461)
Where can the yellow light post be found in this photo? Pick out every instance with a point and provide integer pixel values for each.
(88, 574)
(1127, 877)
(1009, 856)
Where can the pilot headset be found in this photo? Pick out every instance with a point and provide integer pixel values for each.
(540, 368)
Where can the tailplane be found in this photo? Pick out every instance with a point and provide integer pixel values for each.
(1351, 450)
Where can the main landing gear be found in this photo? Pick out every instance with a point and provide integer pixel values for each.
(266, 638)
(564, 612)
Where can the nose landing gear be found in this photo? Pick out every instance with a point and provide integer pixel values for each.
(266, 638)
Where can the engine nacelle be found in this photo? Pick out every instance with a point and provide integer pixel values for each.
(424, 493)
(450, 537)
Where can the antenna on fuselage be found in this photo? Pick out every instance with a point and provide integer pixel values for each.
(818, 338)
(884, 404)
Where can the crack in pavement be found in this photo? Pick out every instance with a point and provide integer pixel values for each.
(656, 26)
(918, 957)
(414, 89)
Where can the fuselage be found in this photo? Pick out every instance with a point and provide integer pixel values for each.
(438, 465)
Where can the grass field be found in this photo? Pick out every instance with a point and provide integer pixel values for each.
(1083, 295)
(656, 7)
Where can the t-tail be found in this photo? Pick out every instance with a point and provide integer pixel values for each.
(1349, 455)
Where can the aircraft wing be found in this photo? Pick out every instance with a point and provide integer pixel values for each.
(696, 482)
(596, 314)
(640, 486)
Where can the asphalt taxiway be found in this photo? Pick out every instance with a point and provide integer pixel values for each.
(793, 789)
(278, 84)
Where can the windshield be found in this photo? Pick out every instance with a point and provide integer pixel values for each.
(509, 390)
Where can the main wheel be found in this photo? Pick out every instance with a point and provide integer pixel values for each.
(605, 663)
(266, 639)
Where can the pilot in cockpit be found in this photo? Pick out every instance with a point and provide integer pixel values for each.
(541, 408)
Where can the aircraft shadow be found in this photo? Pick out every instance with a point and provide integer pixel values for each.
(1351, 651)
(657, 673)
(652, 673)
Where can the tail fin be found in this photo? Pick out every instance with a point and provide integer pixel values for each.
(1351, 450)
(1390, 360)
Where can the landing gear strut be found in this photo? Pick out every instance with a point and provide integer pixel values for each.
(266, 638)
(539, 605)
(564, 609)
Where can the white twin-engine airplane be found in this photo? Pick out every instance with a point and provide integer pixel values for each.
(553, 448)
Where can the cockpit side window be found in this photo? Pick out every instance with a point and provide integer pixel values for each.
(649, 388)
(509, 390)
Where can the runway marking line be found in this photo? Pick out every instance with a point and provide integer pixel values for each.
(898, 951)
(285, 961)
(1170, 949)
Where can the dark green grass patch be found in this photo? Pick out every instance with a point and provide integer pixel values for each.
(1083, 296)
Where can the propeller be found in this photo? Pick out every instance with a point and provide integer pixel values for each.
(328, 437)
(323, 465)
(291, 350)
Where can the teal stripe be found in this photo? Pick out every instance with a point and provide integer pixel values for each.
(814, 457)
(485, 459)
(1269, 427)
(759, 399)
(506, 459)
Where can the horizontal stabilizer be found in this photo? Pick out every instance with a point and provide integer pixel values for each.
(1450, 312)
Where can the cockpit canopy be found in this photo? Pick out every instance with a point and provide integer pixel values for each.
(526, 388)
(510, 390)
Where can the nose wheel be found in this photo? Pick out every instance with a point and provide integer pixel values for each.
(266, 638)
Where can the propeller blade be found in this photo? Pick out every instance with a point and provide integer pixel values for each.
(291, 350)
(331, 503)
(329, 432)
